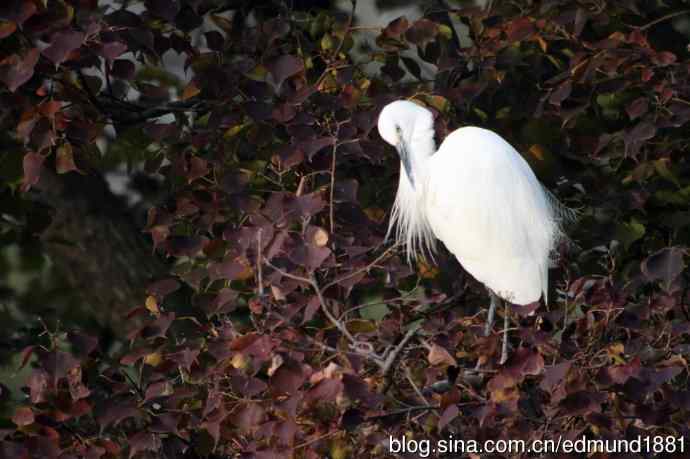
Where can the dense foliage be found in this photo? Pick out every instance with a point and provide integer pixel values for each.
(278, 322)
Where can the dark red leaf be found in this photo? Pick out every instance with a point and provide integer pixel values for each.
(26, 353)
(82, 344)
(554, 375)
(637, 108)
(561, 93)
(62, 44)
(450, 413)
(309, 256)
(38, 384)
(115, 411)
(664, 58)
(325, 391)
(215, 40)
(23, 416)
(123, 69)
(422, 32)
(287, 379)
(284, 67)
(159, 328)
(198, 167)
(16, 70)
(143, 441)
(77, 389)
(396, 27)
(158, 389)
(185, 358)
(166, 9)
(230, 270)
(162, 288)
(58, 364)
(284, 113)
(519, 29)
(248, 416)
(311, 147)
(7, 28)
(112, 50)
(17, 11)
(358, 390)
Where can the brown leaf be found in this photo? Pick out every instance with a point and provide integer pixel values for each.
(440, 356)
(23, 416)
(326, 390)
(7, 28)
(64, 159)
(33, 164)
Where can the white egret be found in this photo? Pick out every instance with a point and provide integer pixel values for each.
(480, 198)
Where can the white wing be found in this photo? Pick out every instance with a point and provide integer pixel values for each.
(484, 202)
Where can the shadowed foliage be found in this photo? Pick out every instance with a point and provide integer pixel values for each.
(249, 305)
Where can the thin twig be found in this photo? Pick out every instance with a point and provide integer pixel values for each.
(361, 270)
(287, 274)
(259, 263)
(332, 190)
(343, 329)
(314, 440)
(393, 355)
(403, 411)
(664, 18)
(408, 375)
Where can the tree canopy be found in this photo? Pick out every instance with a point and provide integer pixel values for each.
(239, 299)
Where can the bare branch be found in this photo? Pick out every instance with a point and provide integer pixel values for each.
(364, 269)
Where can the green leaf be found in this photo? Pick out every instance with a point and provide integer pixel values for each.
(445, 31)
(630, 232)
(375, 312)
(661, 166)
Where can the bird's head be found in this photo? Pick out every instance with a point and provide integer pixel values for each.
(398, 123)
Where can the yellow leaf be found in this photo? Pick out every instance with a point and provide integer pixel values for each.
(247, 272)
(190, 91)
(154, 359)
(239, 361)
(537, 151)
(258, 73)
(615, 352)
(505, 395)
(233, 131)
(542, 43)
(375, 214)
(152, 305)
(427, 271)
(361, 326)
(319, 236)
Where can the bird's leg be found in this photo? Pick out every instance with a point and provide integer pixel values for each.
(490, 318)
(492, 313)
(504, 347)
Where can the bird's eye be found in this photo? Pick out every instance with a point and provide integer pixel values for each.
(397, 129)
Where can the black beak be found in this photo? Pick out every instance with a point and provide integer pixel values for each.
(405, 158)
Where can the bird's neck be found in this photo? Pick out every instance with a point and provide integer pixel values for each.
(421, 147)
(409, 215)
